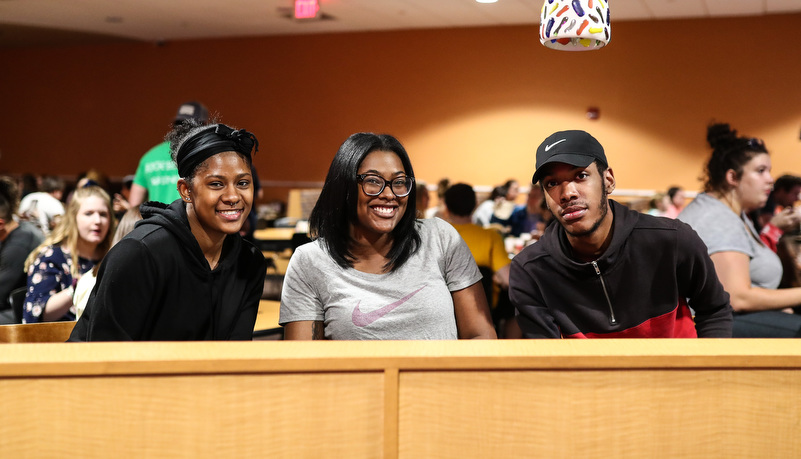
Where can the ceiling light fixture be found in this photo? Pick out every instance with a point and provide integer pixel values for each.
(487, 1)
(575, 25)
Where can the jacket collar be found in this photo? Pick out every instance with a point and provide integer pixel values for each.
(624, 221)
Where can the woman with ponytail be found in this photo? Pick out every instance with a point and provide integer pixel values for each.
(738, 181)
(184, 272)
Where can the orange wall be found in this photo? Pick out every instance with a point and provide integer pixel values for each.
(471, 104)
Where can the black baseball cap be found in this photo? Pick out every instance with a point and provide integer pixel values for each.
(577, 148)
(192, 110)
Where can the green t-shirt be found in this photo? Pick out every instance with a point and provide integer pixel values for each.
(158, 174)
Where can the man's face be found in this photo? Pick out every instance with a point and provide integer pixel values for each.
(787, 198)
(577, 196)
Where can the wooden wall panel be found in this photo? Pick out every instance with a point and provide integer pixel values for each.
(236, 416)
(461, 399)
(600, 413)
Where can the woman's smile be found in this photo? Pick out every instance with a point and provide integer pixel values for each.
(380, 214)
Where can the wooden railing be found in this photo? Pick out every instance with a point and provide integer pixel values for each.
(459, 399)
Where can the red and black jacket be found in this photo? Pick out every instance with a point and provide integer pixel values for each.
(643, 286)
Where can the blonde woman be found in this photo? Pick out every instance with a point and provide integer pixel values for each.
(79, 242)
(89, 279)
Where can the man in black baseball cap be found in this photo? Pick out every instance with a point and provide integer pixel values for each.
(192, 110)
(156, 176)
(576, 148)
(582, 206)
(604, 271)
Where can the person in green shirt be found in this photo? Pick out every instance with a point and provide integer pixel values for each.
(157, 176)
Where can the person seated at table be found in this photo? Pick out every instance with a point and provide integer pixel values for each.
(778, 215)
(87, 282)
(17, 240)
(483, 213)
(738, 181)
(532, 217)
(81, 239)
(488, 250)
(602, 270)
(674, 202)
(374, 271)
(184, 272)
(502, 212)
(423, 198)
(44, 207)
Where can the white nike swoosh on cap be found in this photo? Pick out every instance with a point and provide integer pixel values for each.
(548, 147)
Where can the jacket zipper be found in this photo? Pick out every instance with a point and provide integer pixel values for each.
(612, 319)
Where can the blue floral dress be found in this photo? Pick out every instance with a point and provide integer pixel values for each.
(49, 274)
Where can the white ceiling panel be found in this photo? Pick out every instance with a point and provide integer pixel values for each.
(626, 10)
(154, 20)
(735, 7)
(782, 6)
(673, 9)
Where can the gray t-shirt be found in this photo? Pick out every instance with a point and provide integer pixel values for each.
(413, 302)
(724, 231)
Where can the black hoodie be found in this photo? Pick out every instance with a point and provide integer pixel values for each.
(641, 287)
(156, 285)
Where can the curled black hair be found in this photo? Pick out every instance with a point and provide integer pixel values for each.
(335, 210)
(180, 132)
(729, 152)
(184, 131)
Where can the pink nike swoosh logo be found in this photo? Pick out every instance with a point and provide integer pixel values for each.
(361, 319)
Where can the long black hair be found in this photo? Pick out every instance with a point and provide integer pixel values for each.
(335, 210)
(728, 152)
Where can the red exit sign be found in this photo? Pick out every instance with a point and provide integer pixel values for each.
(306, 9)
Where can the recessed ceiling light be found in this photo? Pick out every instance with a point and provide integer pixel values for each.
(486, 1)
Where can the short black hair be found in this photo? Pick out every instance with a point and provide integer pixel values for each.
(460, 199)
(786, 182)
(51, 183)
(671, 192)
(335, 210)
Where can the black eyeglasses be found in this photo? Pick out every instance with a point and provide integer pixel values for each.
(373, 185)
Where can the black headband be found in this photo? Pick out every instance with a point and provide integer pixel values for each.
(208, 142)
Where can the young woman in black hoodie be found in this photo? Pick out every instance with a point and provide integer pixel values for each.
(184, 272)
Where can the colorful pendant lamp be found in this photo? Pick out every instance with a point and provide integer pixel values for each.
(575, 25)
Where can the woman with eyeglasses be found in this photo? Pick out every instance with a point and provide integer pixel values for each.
(374, 271)
(738, 182)
(184, 273)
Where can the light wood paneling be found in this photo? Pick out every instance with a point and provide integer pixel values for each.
(43, 359)
(601, 414)
(43, 332)
(535, 398)
(267, 317)
(281, 415)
